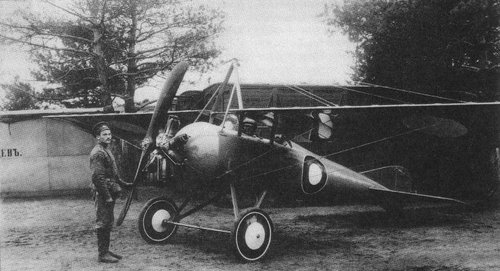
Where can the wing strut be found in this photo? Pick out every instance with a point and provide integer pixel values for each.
(236, 89)
(222, 86)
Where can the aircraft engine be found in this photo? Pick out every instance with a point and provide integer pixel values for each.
(173, 146)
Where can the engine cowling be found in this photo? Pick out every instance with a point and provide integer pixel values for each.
(202, 149)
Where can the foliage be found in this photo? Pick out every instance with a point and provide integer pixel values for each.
(110, 47)
(424, 45)
(19, 96)
(22, 96)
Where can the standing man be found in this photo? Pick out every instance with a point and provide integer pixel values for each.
(106, 184)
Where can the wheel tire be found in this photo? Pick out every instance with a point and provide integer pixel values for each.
(151, 219)
(252, 235)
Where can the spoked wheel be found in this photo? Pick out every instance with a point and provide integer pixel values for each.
(153, 219)
(252, 235)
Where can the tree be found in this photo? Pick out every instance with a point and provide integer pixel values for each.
(19, 96)
(424, 45)
(22, 96)
(111, 46)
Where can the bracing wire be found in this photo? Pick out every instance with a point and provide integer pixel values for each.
(409, 91)
(371, 94)
(331, 154)
(131, 144)
(246, 163)
(377, 141)
(311, 95)
(301, 134)
(308, 96)
(206, 105)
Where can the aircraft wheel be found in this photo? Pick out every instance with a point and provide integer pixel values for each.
(252, 235)
(152, 226)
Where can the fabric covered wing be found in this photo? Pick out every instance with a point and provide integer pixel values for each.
(130, 127)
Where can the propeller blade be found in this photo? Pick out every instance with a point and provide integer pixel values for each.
(160, 113)
(125, 208)
(165, 100)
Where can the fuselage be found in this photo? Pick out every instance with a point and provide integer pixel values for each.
(214, 154)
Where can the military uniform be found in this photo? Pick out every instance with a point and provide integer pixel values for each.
(106, 184)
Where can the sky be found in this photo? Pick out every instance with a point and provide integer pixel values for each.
(275, 41)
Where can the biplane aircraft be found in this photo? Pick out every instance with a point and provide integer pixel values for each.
(249, 151)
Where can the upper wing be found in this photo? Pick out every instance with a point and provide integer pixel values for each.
(130, 127)
(442, 120)
(367, 107)
(327, 122)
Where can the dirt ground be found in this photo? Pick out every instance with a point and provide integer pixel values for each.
(57, 234)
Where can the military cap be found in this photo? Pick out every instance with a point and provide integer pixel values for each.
(99, 127)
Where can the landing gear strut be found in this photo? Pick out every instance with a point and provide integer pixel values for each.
(251, 235)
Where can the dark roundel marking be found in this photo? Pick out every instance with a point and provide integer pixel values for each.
(312, 186)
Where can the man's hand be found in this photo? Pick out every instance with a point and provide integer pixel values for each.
(145, 143)
(125, 185)
(128, 185)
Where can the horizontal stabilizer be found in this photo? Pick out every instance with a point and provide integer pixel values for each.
(405, 197)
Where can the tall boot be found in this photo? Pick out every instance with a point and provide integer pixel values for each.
(102, 247)
(108, 238)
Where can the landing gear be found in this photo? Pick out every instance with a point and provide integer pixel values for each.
(252, 235)
(153, 220)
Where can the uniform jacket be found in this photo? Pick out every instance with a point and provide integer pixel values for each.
(105, 176)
